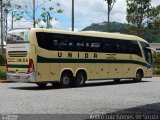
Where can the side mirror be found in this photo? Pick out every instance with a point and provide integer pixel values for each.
(154, 52)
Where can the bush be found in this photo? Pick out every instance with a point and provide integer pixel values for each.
(2, 74)
(156, 71)
(2, 59)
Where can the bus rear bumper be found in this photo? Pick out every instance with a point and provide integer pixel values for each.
(21, 77)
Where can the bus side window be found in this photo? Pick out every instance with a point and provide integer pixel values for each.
(107, 47)
(59, 42)
(55, 44)
(115, 46)
(44, 40)
(96, 45)
(134, 48)
(87, 46)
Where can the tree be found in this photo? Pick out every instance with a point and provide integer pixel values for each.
(137, 14)
(5, 5)
(6, 8)
(31, 12)
(1, 26)
(9, 9)
(154, 18)
(110, 6)
(46, 15)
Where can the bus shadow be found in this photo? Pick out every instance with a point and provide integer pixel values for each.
(112, 83)
(89, 84)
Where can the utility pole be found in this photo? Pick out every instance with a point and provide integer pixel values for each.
(72, 15)
(5, 24)
(110, 6)
(108, 15)
(34, 23)
(12, 20)
(1, 26)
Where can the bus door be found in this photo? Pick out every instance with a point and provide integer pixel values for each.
(149, 60)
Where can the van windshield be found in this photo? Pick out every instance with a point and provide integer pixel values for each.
(18, 36)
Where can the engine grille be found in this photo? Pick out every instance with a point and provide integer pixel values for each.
(17, 53)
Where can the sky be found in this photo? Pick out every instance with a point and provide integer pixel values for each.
(86, 13)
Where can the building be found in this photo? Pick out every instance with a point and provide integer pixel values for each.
(156, 46)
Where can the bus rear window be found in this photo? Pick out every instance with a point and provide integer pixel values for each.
(18, 36)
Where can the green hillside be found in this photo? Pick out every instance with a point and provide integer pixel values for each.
(149, 35)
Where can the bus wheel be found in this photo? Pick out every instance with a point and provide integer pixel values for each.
(117, 80)
(80, 79)
(139, 76)
(66, 80)
(41, 85)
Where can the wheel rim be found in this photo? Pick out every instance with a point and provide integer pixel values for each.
(139, 76)
(80, 79)
(65, 80)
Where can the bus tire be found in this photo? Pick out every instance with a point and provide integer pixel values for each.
(65, 81)
(117, 80)
(80, 79)
(41, 85)
(139, 76)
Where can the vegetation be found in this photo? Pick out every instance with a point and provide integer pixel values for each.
(156, 63)
(2, 59)
(9, 9)
(2, 66)
(32, 10)
(32, 13)
(2, 72)
(137, 15)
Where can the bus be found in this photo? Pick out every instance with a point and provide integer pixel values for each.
(42, 56)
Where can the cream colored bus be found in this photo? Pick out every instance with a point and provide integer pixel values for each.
(44, 56)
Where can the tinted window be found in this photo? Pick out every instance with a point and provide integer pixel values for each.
(122, 46)
(147, 52)
(63, 42)
(133, 48)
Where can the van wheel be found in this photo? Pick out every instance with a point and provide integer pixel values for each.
(41, 85)
(117, 80)
(65, 80)
(139, 76)
(80, 79)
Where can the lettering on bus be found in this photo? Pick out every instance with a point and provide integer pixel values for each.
(111, 56)
(85, 55)
(22, 60)
(11, 59)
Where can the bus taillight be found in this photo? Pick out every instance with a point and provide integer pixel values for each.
(31, 66)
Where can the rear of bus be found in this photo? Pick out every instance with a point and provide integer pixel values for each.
(19, 66)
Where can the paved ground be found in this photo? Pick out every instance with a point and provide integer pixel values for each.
(95, 98)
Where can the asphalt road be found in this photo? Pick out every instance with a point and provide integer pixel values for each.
(103, 97)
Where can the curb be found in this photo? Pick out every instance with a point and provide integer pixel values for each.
(156, 75)
(5, 81)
